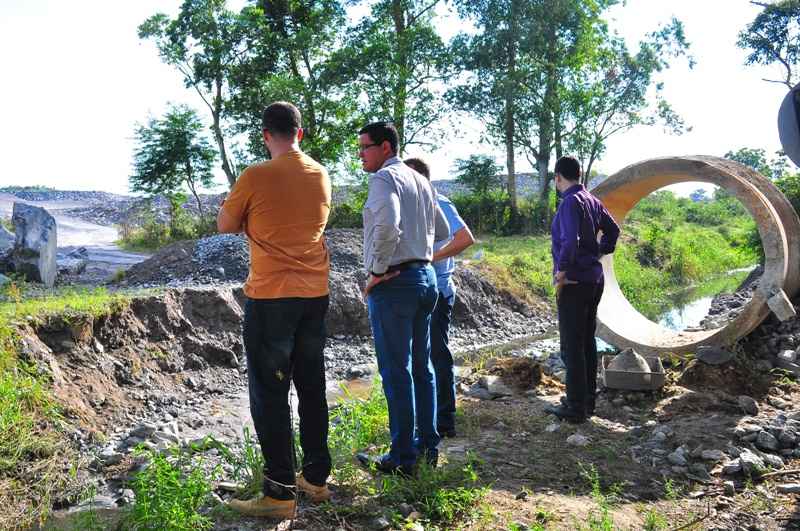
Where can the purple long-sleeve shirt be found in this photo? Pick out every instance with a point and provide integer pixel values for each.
(575, 248)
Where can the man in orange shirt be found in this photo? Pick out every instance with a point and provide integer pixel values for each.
(282, 205)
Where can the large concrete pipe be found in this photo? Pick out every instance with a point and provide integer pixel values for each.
(778, 225)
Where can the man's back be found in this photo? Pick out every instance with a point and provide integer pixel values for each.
(400, 217)
(285, 204)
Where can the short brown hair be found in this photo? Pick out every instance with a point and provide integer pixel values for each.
(419, 166)
(281, 118)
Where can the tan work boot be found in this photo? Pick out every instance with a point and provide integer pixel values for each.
(315, 494)
(264, 506)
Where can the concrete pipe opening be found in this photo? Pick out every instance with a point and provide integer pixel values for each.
(621, 325)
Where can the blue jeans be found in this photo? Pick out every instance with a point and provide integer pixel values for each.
(442, 360)
(400, 315)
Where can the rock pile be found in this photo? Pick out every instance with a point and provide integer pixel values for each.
(224, 259)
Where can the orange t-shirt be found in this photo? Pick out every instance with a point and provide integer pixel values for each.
(284, 205)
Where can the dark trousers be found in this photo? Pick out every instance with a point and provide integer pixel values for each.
(284, 340)
(577, 322)
(442, 360)
(400, 315)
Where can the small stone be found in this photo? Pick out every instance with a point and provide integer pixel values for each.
(773, 461)
(413, 517)
(495, 386)
(752, 465)
(678, 457)
(712, 455)
(576, 439)
(405, 509)
(521, 495)
(788, 356)
(748, 405)
(659, 436)
(731, 468)
(713, 355)
(764, 365)
(381, 523)
(789, 488)
(730, 488)
(552, 427)
(766, 441)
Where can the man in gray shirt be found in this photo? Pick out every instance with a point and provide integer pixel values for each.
(401, 222)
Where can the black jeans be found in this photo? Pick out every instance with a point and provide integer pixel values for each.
(442, 360)
(577, 322)
(284, 340)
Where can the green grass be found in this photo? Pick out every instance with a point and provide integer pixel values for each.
(35, 454)
(667, 244)
(170, 492)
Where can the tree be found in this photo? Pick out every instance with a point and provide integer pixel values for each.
(397, 58)
(773, 37)
(757, 160)
(492, 60)
(480, 174)
(204, 42)
(292, 55)
(171, 153)
(610, 93)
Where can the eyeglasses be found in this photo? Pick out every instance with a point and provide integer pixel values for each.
(363, 148)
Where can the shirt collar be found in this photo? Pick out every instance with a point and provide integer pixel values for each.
(572, 190)
(391, 160)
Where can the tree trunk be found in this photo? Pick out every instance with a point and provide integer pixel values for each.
(193, 189)
(509, 109)
(401, 62)
(217, 129)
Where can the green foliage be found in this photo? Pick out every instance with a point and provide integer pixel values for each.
(444, 493)
(773, 38)
(23, 403)
(169, 494)
(604, 500)
(171, 153)
(245, 459)
(7, 223)
(789, 184)
(398, 46)
(480, 174)
(148, 233)
(757, 160)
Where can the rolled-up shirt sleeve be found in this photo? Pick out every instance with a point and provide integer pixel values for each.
(383, 208)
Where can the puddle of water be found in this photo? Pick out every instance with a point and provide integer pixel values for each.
(690, 307)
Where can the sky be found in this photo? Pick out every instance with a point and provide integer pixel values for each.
(76, 80)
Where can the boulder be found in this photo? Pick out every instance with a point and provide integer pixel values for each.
(748, 404)
(34, 253)
(629, 361)
(7, 240)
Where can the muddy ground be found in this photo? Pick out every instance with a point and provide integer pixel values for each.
(168, 370)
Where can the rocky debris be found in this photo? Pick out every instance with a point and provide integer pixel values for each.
(713, 355)
(34, 253)
(480, 307)
(727, 306)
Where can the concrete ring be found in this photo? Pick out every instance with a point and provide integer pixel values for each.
(620, 324)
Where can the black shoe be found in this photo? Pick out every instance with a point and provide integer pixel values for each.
(590, 405)
(384, 465)
(566, 413)
(431, 457)
(444, 434)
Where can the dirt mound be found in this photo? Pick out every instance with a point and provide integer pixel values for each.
(224, 259)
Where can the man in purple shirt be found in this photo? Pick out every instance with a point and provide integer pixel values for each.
(578, 278)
